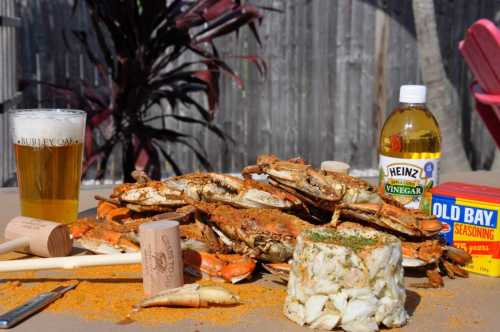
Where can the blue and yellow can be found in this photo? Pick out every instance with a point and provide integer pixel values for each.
(469, 214)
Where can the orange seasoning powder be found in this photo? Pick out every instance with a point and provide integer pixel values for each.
(108, 293)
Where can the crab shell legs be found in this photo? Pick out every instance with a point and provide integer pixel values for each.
(343, 195)
(159, 196)
(324, 189)
(405, 221)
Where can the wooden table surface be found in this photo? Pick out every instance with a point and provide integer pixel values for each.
(462, 305)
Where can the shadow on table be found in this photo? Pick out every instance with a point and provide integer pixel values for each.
(412, 301)
(89, 213)
(415, 272)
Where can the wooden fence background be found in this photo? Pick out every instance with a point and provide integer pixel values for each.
(8, 85)
(335, 67)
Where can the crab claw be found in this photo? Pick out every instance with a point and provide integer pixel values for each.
(457, 255)
(249, 170)
(191, 295)
(238, 267)
(111, 212)
(230, 268)
(140, 176)
(453, 270)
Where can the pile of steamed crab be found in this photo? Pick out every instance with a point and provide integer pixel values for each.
(230, 225)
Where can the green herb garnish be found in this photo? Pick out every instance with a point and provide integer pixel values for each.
(355, 242)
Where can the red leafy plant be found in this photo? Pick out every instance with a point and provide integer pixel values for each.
(141, 44)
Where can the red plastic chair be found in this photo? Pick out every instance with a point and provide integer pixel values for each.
(481, 50)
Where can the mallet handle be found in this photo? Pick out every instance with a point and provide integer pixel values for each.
(68, 262)
(15, 244)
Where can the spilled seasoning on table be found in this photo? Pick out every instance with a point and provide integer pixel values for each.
(108, 293)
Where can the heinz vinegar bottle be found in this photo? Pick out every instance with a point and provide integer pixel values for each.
(410, 148)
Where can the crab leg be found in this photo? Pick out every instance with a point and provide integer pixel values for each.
(191, 295)
(421, 253)
(395, 218)
(230, 268)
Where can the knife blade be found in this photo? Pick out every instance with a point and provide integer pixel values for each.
(16, 315)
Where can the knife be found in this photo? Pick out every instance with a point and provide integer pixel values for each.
(35, 304)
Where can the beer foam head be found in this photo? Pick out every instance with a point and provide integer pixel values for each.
(47, 127)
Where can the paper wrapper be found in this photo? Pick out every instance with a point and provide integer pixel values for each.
(350, 278)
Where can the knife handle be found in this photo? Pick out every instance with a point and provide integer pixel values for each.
(25, 310)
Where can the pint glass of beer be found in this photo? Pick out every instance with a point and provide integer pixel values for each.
(48, 146)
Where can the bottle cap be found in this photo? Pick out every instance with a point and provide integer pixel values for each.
(412, 94)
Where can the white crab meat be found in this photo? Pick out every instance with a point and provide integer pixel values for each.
(350, 278)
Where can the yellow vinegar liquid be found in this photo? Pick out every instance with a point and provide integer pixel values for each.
(411, 132)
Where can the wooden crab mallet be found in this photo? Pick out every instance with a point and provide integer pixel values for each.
(161, 256)
(37, 237)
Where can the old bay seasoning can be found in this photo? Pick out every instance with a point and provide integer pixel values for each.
(470, 217)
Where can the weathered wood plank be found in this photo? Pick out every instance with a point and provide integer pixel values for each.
(8, 88)
(341, 129)
(367, 153)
